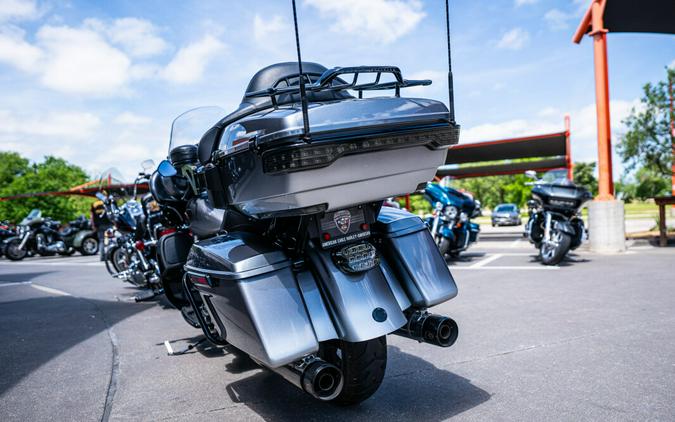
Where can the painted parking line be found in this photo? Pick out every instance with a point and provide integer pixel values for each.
(508, 267)
(14, 283)
(492, 257)
(50, 290)
(484, 262)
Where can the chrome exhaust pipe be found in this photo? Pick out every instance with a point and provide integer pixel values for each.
(430, 328)
(315, 376)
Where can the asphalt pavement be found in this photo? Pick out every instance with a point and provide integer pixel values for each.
(590, 339)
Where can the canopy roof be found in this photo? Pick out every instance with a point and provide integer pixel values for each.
(547, 152)
(656, 16)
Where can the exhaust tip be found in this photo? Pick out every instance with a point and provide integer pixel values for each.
(322, 380)
(441, 330)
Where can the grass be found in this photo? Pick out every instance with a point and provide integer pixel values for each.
(637, 210)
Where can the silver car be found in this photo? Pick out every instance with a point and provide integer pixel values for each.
(506, 215)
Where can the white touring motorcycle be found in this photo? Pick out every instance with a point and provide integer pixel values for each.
(283, 248)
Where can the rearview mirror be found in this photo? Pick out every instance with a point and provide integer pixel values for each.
(100, 196)
(166, 169)
(531, 174)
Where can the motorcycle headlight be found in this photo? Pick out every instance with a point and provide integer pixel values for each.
(451, 212)
(463, 217)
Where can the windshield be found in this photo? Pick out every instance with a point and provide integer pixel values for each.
(35, 214)
(557, 177)
(505, 208)
(189, 127)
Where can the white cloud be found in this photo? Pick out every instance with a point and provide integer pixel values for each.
(138, 37)
(190, 61)
(558, 19)
(264, 30)
(672, 65)
(514, 39)
(15, 51)
(381, 21)
(17, 10)
(77, 125)
(519, 3)
(130, 119)
(80, 61)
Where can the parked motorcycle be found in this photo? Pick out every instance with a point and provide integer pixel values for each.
(130, 253)
(7, 231)
(450, 225)
(555, 225)
(80, 236)
(44, 236)
(287, 252)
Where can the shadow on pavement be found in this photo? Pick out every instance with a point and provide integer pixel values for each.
(424, 392)
(35, 330)
(465, 257)
(19, 277)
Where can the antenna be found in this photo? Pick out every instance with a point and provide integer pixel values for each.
(451, 93)
(301, 79)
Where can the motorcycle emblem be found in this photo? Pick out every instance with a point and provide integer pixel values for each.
(342, 220)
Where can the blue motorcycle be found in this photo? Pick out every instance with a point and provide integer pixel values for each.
(450, 224)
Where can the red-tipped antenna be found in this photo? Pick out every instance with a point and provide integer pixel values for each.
(451, 93)
(303, 94)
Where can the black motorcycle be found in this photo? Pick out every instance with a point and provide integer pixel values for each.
(44, 236)
(7, 231)
(130, 246)
(555, 225)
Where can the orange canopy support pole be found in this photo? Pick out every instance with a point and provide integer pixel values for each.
(672, 136)
(568, 149)
(593, 18)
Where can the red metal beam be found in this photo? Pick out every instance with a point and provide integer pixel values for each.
(508, 141)
(141, 188)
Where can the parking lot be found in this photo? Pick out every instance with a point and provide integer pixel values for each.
(591, 339)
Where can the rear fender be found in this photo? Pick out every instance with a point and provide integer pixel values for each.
(564, 226)
(80, 236)
(446, 231)
(363, 306)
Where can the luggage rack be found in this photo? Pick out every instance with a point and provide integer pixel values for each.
(327, 82)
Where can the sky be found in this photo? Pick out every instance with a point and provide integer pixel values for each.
(99, 82)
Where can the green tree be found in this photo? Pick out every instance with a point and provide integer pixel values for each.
(649, 141)
(494, 190)
(583, 174)
(650, 183)
(53, 174)
(11, 166)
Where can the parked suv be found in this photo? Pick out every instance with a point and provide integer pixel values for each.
(506, 215)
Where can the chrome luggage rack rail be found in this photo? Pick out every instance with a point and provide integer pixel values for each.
(330, 81)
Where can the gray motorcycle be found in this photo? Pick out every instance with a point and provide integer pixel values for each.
(283, 248)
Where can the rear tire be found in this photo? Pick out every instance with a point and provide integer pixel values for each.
(554, 254)
(363, 365)
(13, 252)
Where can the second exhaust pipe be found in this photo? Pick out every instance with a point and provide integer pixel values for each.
(430, 328)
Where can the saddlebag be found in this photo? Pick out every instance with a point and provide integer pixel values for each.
(410, 251)
(253, 297)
